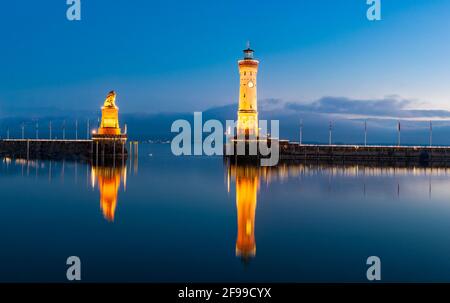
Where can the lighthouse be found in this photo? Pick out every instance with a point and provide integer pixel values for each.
(247, 124)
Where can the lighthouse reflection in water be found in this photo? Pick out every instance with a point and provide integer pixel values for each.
(109, 179)
(294, 222)
(247, 184)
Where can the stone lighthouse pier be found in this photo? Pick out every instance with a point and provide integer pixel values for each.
(249, 137)
(108, 143)
(47, 149)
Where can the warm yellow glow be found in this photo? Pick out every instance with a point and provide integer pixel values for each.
(109, 180)
(110, 116)
(247, 183)
(247, 123)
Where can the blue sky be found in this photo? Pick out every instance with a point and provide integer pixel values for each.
(181, 55)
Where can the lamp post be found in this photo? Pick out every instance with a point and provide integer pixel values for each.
(399, 128)
(330, 133)
(431, 133)
(64, 130)
(88, 129)
(365, 133)
(301, 131)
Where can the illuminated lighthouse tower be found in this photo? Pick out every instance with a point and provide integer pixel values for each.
(247, 124)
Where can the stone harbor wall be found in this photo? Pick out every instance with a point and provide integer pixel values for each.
(349, 153)
(380, 155)
(64, 149)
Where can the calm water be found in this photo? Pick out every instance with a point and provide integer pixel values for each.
(163, 218)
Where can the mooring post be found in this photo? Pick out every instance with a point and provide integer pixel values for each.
(136, 161)
(88, 130)
(64, 130)
(399, 128)
(123, 153)
(96, 154)
(76, 129)
(114, 153)
(103, 153)
(28, 150)
(130, 156)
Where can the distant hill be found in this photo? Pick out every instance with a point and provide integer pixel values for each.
(347, 118)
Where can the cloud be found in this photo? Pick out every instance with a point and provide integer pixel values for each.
(387, 108)
(270, 104)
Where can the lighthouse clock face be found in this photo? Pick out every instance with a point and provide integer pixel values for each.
(250, 84)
